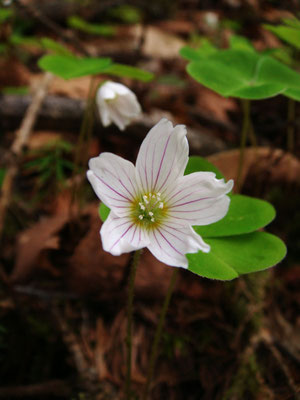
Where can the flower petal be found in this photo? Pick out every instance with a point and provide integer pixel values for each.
(171, 241)
(128, 105)
(162, 157)
(116, 88)
(113, 180)
(117, 117)
(104, 112)
(199, 198)
(121, 235)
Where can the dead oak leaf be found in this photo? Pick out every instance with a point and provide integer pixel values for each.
(33, 241)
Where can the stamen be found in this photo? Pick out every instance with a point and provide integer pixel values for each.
(151, 214)
(141, 217)
(145, 199)
(142, 207)
(161, 205)
(152, 219)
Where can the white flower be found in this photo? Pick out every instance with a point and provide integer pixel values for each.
(117, 104)
(153, 204)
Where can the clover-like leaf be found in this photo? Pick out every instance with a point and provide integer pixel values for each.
(68, 67)
(127, 71)
(244, 74)
(232, 256)
(245, 214)
(289, 34)
(192, 54)
(293, 94)
(103, 211)
(196, 164)
(91, 28)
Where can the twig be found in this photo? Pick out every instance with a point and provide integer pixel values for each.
(73, 344)
(22, 136)
(51, 388)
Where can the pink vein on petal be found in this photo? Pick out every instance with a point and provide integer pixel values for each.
(117, 241)
(172, 234)
(162, 160)
(169, 243)
(119, 180)
(170, 169)
(191, 211)
(191, 201)
(106, 184)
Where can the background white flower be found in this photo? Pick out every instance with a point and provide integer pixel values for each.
(117, 104)
(153, 204)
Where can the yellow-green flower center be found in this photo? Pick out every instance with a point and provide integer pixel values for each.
(149, 209)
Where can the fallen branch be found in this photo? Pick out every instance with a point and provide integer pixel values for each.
(55, 388)
(22, 136)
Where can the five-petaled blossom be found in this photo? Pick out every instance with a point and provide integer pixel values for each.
(117, 104)
(153, 204)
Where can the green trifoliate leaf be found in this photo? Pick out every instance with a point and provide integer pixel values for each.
(197, 164)
(192, 54)
(55, 47)
(128, 71)
(293, 94)
(68, 67)
(232, 256)
(103, 211)
(240, 43)
(289, 34)
(91, 28)
(126, 13)
(244, 74)
(245, 214)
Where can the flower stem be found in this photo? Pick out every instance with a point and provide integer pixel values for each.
(81, 154)
(245, 130)
(291, 127)
(133, 268)
(158, 332)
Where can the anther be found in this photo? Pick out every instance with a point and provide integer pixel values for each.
(161, 205)
(151, 214)
(142, 207)
(145, 199)
(152, 219)
(141, 217)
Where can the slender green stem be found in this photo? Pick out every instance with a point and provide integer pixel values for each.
(86, 125)
(252, 136)
(133, 268)
(84, 136)
(291, 127)
(245, 130)
(158, 332)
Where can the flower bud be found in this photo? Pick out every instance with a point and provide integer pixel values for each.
(117, 104)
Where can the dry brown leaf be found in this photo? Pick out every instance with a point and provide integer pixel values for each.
(33, 241)
(281, 166)
(91, 269)
(152, 277)
(160, 44)
(13, 73)
(42, 138)
(76, 88)
(211, 103)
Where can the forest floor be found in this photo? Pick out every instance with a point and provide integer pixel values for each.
(62, 298)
